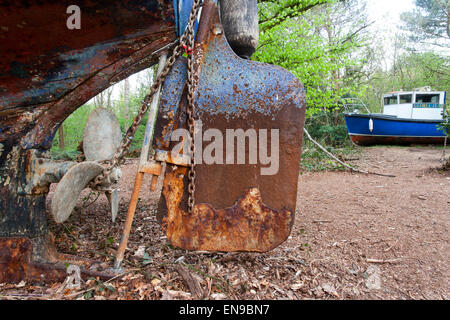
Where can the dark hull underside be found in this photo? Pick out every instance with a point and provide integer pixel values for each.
(47, 71)
(392, 140)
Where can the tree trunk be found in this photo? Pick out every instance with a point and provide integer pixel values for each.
(61, 137)
(126, 98)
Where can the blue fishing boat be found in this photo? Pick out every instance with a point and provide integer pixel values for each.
(408, 118)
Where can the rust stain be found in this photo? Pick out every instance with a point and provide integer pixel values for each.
(249, 225)
(15, 254)
(18, 262)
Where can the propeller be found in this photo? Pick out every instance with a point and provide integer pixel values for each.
(102, 135)
(101, 139)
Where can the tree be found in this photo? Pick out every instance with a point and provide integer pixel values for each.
(61, 137)
(126, 99)
(414, 64)
(103, 99)
(317, 41)
(272, 13)
(429, 23)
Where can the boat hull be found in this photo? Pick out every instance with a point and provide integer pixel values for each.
(392, 130)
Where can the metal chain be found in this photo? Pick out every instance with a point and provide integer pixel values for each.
(192, 85)
(186, 40)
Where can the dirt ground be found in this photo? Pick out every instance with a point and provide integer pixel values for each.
(355, 236)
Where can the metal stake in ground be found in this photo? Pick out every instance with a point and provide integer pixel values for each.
(143, 165)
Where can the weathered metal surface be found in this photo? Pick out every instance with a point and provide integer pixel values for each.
(168, 157)
(21, 213)
(102, 135)
(70, 187)
(47, 70)
(248, 225)
(15, 254)
(237, 208)
(372, 140)
(18, 262)
(150, 168)
(41, 172)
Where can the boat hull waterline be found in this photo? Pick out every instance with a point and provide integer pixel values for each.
(381, 129)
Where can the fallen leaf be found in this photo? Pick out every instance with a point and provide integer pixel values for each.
(139, 252)
(171, 294)
(297, 286)
(373, 281)
(329, 288)
(218, 296)
(155, 282)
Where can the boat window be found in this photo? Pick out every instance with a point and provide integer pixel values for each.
(405, 98)
(427, 98)
(390, 100)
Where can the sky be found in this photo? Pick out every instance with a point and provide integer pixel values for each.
(386, 14)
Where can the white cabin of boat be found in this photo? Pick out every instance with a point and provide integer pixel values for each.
(418, 104)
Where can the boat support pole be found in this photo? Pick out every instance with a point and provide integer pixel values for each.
(145, 166)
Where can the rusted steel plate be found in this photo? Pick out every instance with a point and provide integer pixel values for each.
(102, 135)
(237, 207)
(70, 187)
(248, 225)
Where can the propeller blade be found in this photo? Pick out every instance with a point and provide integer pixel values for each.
(113, 198)
(102, 135)
(70, 187)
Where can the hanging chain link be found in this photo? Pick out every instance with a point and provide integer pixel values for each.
(192, 85)
(185, 44)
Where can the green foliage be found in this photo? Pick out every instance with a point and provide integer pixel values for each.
(73, 130)
(274, 13)
(411, 70)
(446, 125)
(329, 128)
(70, 155)
(316, 41)
(429, 22)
